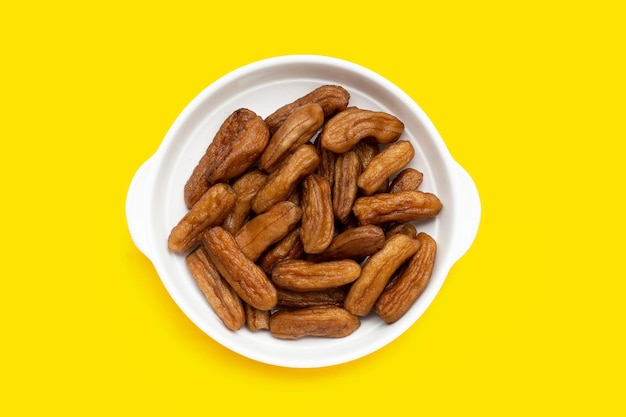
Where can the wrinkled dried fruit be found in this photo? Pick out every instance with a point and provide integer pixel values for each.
(332, 98)
(346, 129)
(290, 247)
(403, 206)
(409, 179)
(240, 123)
(355, 243)
(347, 170)
(220, 295)
(297, 299)
(247, 279)
(282, 182)
(262, 231)
(322, 321)
(404, 228)
(389, 161)
(377, 271)
(326, 167)
(318, 222)
(242, 152)
(257, 319)
(301, 275)
(404, 290)
(246, 188)
(297, 129)
(210, 210)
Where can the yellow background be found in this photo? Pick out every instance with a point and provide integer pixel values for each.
(528, 96)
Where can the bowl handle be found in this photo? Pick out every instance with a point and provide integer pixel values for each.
(468, 218)
(137, 206)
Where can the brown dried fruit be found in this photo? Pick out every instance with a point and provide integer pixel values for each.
(246, 188)
(332, 98)
(321, 321)
(220, 295)
(262, 231)
(257, 319)
(210, 210)
(241, 126)
(288, 299)
(404, 290)
(326, 168)
(403, 206)
(409, 179)
(242, 152)
(404, 228)
(318, 222)
(346, 129)
(389, 161)
(301, 275)
(247, 279)
(355, 243)
(282, 182)
(297, 129)
(347, 170)
(377, 271)
(290, 247)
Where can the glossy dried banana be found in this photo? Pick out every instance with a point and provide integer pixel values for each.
(321, 321)
(242, 129)
(318, 221)
(210, 210)
(282, 182)
(345, 189)
(246, 188)
(262, 231)
(347, 128)
(289, 299)
(297, 129)
(301, 275)
(355, 243)
(247, 279)
(257, 319)
(403, 206)
(220, 295)
(382, 166)
(404, 290)
(290, 247)
(376, 272)
(409, 179)
(332, 98)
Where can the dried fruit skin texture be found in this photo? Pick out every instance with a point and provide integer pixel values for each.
(389, 161)
(409, 179)
(403, 206)
(210, 210)
(332, 99)
(301, 275)
(347, 170)
(282, 182)
(403, 291)
(346, 129)
(323, 321)
(246, 278)
(318, 221)
(259, 233)
(297, 130)
(355, 243)
(220, 295)
(246, 187)
(198, 183)
(377, 271)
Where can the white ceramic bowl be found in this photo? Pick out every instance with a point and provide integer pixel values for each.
(155, 198)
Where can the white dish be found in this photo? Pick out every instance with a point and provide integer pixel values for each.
(155, 198)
